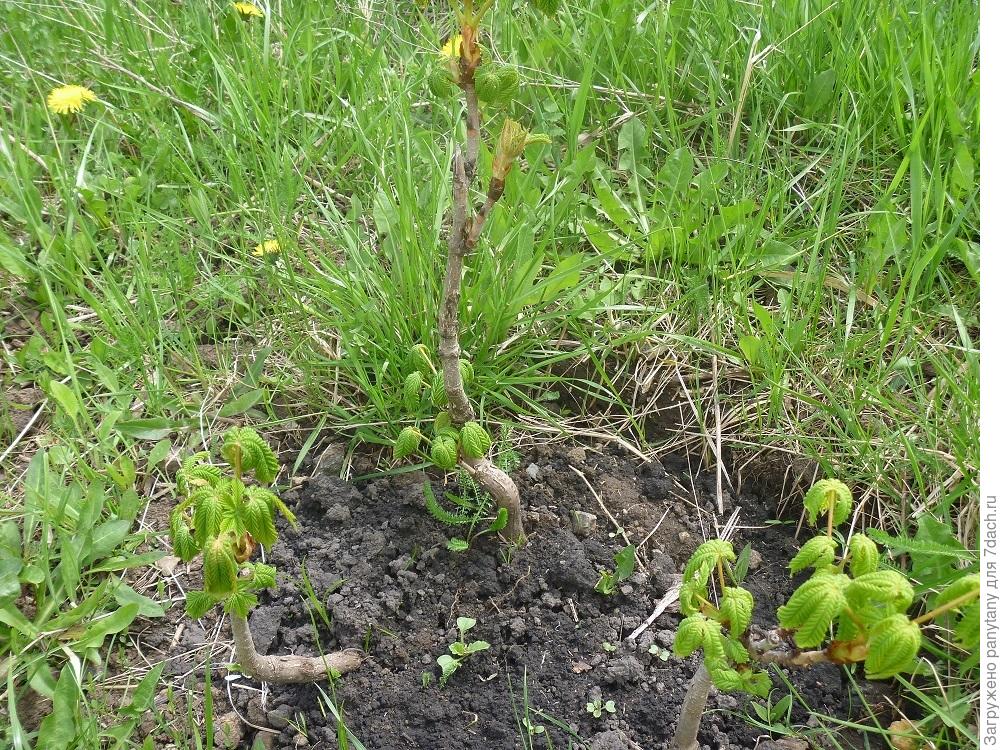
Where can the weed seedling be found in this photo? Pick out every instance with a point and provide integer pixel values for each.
(224, 518)
(609, 647)
(597, 708)
(460, 650)
(608, 583)
(663, 654)
(848, 592)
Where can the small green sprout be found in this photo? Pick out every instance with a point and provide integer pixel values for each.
(663, 654)
(597, 707)
(460, 650)
(608, 583)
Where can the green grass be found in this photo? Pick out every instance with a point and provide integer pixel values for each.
(786, 192)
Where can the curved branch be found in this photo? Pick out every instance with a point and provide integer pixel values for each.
(287, 669)
(503, 490)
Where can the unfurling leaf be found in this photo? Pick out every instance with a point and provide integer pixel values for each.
(967, 631)
(197, 604)
(736, 652)
(258, 515)
(219, 569)
(262, 576)
(500, 522)
(496, 83)
(757, 683)
(694, 632)
(864, 555)
(883, 586)
(829, 494)
(441, 82)
(817, 552)
(726, 678)
(466, 371)
(240, 603)
(736, 608)
(474, 439)
(439, 396)
(711, 552)
(813, 607)
(442, 422)
(893, 644)
(956, 589)
(208, 509)
(695, 588)
(185, 547)
(444, 452)
(407, 443)
(413, 386)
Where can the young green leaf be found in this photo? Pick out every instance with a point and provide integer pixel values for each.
(625, 563)
(198, 603)
(219, 570)
(442, 422)
(207, 515)
(258, 516)
(500, 522)
(444, 452)
(711, 552)
(893, 644)
(829, 494)
(694, 632)
(864, 555)
(263, 576)
(240, 603)
(413, 386)
(883, 586)
(466, 371)
(736, 608)
(956, 589)
(439, 397)
(407, 443)
(817, 552)
(813, 607)
(474, 439)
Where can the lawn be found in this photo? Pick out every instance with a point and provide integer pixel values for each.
(754, 235)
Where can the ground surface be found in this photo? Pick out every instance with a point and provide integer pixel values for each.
(396, 591)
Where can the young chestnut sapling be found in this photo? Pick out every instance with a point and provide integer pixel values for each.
(224, 519)
(463, 68)
(864, 604)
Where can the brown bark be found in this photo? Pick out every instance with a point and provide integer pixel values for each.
(287, 669)
(689, 720)
(502, 488)
(464, 235)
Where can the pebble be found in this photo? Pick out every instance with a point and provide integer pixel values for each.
(534, 472)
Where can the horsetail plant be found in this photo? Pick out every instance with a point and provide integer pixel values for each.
(464, 69)
(224, 518)
(848, 593)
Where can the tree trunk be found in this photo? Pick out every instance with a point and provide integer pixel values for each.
(689, 721)
(287, 669)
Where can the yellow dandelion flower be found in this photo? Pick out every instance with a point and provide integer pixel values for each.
(453, 47)
(65, 99)
(268, 247)
(248, 10)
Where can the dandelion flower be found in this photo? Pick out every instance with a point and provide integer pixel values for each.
(453, 47)
(66, 99)
(268, 247)
(248, 10)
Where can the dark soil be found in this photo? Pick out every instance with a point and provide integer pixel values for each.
(378, 562)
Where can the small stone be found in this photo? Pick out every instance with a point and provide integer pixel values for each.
(338, 514)
(264, 740)
(684, 537)
(755, 559)
(534, 472)
(301, 740)
(279, 716)
(518, 628)
(582, 523)
(228, 731)
(577, 456)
